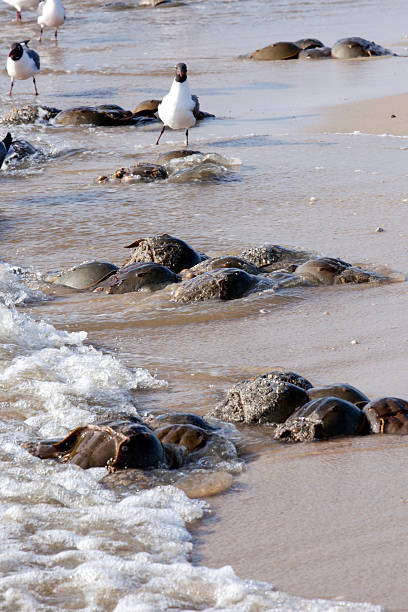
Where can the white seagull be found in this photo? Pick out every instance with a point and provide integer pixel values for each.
(51, 14)
(20, 5)
(5, 144)
(22, 63)
(176, 108)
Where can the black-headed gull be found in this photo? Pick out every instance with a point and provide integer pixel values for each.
(51, 14)
(22, 63)
(5, 144)
(21, 5)
(176, 108)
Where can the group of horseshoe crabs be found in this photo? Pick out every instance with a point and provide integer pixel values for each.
(179, 448)
(352, 47)
(100, 115)
(298, 412)
(161, 260)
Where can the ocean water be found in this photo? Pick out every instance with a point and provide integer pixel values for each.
(70, 358)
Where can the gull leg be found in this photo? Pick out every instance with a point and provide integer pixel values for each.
(186, 138)
(18, 15)
(11, 86)
(35, 87)
(163, 128)
(55, 35)
(41, 33)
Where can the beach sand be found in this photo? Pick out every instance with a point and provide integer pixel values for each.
(385, 115)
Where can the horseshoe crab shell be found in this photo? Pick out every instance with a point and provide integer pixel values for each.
(119, 445)
(163, 249)
(277, 51)
(322, 418)
(355, 47)
(222, 284)
(315, 53)
(263, 399)
(139, 276)
(329, 271)
(309, 43)
(217, 263)
(272, 255)
(94, 115)
(388, 415)
(341, 390)
(84, 276)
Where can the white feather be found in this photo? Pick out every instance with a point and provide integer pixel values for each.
(176, 108)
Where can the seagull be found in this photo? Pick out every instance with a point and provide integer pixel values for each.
(176, 110)
(20, 5)
(51, 14)
(5, 144)
(22, 63)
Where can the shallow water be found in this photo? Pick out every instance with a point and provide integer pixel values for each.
(67, 358)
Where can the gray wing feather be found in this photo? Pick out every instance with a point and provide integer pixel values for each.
(34, 56)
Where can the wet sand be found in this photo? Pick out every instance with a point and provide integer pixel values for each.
(385, 115)
(329, 519)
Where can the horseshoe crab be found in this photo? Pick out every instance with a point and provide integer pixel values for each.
(388, 415)
(216, 263)
(277, 51)
(104, 114)
(177, 154)
(223, 284)
(29, 113)
(263, 399)
(322, 418)
(355, 47)
(315, 53)
(138, 276)
(84, 276)
(114, 445)
(139, 172)
(182, 418)
(269, 256)
(309, 43)
(190, 437)
(163, 249)
(341, 390)
(329, 271)
(147, 108)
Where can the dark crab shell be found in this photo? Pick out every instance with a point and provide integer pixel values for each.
(94, 115)
(388, 415)
(329, 271)
(139, 276)
(343, 391)
(278, 51)
(268, 398)
(119, 445)
(222, 284)
(356, 47)
(225, 261)
(323, 418)
(84, 276)
(164, 249)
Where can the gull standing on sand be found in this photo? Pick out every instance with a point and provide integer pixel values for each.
(5, 145)
(20, 5)
(51, 14)
(22, 63)
(176, 108)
